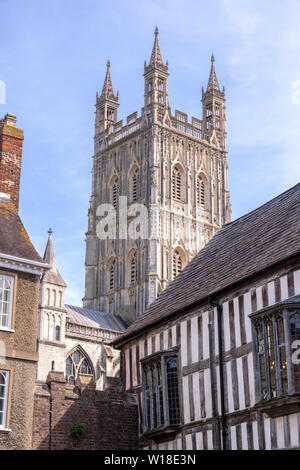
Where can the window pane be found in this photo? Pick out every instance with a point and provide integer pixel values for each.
(271, 355)
(282, 355)
(295, 336)
(6, 291)
(173, 396)
(4, 381)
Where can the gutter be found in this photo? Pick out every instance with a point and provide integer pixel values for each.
(221, 373)
(25, 261)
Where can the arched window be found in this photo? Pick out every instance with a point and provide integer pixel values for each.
(133, 269)
(60, 298)
(79, 366)
(115, 193)
(176, 183)
(57, 333)
(134, 185)
(54, 297)
(201, 192)
(48, 296)
(112, 275)
(177, 263)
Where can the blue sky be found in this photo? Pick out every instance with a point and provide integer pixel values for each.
(52, 60)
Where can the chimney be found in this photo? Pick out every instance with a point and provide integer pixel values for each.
(11, 142)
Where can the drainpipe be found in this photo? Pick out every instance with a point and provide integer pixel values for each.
(221, 374)
(50, 424)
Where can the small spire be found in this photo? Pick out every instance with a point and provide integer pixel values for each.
(52, 275)
(156, 58)
(107, 90)
(213, 84)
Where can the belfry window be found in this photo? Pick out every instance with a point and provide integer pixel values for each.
(177, 263)
(200, 192)
(176, 184)
(134, 185)
(115, 193)
(161, 391)
(79, 366)
(133, 269)
(112, 275)
(277, 336)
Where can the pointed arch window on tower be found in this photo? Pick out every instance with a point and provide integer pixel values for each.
(200, 192)
(134, 185)
(112, 275)
(115, 193)
(209, 110)
(150, 85)
(177, 263)
(133, 269)
(176, 184)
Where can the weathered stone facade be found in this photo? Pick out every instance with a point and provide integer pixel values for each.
(176, 169)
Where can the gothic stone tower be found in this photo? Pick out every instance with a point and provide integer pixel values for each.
(176, 168)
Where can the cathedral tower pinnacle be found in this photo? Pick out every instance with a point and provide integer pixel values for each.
(107, 105)
(213, 102)
(156, 84)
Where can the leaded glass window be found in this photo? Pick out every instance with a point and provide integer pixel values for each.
(161, 392)
(78, 366)
(277, 335)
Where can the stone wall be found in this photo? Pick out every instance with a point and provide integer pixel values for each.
(110, 417)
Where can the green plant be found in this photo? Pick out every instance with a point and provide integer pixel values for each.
(77, 430)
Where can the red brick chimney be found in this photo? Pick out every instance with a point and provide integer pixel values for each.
(11, 142)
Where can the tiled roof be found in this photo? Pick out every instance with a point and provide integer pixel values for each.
(243, 248)
(95, 319)
(14, 239)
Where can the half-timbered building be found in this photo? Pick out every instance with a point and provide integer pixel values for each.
(214, 360)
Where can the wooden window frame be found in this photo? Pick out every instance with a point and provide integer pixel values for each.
(11, 327)
(10, 371)
(163, 430)
(288, 400)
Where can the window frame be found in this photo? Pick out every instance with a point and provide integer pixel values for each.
(12, 304)
(164, 429)
(286, 310)
(7, 398)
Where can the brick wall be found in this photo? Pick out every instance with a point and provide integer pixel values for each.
(11, 142)
(110, 416)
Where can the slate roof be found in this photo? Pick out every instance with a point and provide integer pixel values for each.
(14, 239)
(95, 319)
(243, 248)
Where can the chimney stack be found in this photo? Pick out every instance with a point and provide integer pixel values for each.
(11, 143)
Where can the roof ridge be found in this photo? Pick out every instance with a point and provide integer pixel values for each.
(259, 207)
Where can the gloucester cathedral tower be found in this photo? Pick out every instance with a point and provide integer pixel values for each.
(162, 164)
